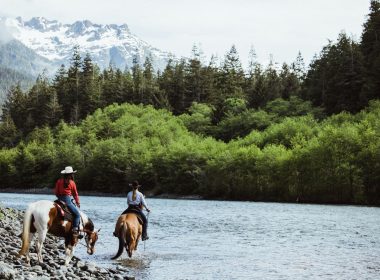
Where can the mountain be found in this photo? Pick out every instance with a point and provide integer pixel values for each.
(27, 48)
(51, 44)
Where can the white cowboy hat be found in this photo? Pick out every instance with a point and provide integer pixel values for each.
(68, 170)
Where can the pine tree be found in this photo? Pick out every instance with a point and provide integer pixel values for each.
(73, 76)
(15, 107)
(60, 84)
(232, 76)
(89, 98)
(39, 98)
(137, 75)
(298, 67)
(194, 80)
(370, 47)
(53, 113)
(335, 78)
(172, 84)
(290, 83)
(9, 134)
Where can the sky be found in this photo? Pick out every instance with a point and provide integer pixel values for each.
(274, 28)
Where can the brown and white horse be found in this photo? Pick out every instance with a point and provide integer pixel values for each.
(42, 217)
(128, 230)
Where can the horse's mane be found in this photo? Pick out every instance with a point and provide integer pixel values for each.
(90, 225)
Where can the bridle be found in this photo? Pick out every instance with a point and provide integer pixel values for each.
(91, 237)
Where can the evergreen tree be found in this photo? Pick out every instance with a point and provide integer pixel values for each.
(194, 79)
(73, 76)
(272, 82)
(298, 67)
(39, 103)
(210, 75)
(53, 112)
(137, 75)
(335, 78)
(172, 83)
(9, 134)
(15, 107)
(370, 47)
(232, 75)
(89, 98)
(290, 83)
(60, 84)
(127, 90)
(254, 87)
(153, 94)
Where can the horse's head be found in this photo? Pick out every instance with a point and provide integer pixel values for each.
(91, 238)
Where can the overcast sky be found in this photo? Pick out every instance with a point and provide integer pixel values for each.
(277, 27)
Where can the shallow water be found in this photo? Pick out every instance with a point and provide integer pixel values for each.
(192, 239)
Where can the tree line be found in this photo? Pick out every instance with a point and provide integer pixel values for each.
(298, 158)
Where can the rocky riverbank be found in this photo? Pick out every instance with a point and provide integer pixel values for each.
(12, 267)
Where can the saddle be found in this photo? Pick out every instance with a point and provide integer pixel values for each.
(63, 211)
(135, 211)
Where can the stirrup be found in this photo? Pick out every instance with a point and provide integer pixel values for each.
(144, 238)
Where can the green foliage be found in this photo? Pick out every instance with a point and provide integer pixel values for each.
(290, 131)
(335, 161)
(234, 126)
(7, 167)
(200, 118)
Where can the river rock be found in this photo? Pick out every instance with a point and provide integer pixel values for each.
(6, 271)
(13, 267)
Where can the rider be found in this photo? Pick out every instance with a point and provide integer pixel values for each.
(65, 189)
(136, 203)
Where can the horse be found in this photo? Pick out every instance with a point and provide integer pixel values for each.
(42, 217)
(128, 229)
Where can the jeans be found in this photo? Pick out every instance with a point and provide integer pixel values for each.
(76, 215)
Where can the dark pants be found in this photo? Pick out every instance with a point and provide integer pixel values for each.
(76, 215)
(138, 211)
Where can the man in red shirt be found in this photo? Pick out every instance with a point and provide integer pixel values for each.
(65, 189)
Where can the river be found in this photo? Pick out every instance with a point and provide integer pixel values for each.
(198, 239)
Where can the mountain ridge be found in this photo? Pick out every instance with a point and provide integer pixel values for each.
(107, 44)
(29, 48)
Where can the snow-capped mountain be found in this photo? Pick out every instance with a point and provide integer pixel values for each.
(53, 43)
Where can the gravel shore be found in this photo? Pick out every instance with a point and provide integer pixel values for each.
(12, 267)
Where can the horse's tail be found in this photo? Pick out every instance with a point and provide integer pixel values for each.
(28, 216)
(121, 234)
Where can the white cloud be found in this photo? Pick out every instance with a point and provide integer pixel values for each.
(5, 33)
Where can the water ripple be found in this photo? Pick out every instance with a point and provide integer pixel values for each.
(239, 240)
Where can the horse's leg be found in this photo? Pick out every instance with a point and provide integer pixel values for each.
(131, 246)
(39, 244)
(137, 241)
(27, 256)
(139, 232)
(69, 249)
(69, 254)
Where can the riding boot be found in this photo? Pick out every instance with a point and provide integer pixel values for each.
(75, 231)
(144, 232)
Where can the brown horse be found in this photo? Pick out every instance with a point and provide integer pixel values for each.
(42, 217)
(128, 229)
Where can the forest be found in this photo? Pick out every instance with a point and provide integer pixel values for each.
(212, 129)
